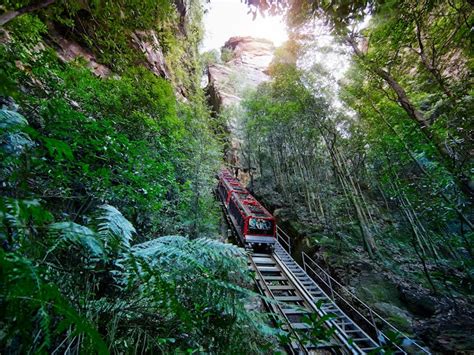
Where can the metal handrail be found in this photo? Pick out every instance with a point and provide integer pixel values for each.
(287, 240)
(332, 281)
(340, 296)
(369, 322)
(341, 329)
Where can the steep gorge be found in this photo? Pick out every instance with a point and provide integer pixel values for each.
(109, 142)
(244, 70)
(311, 205)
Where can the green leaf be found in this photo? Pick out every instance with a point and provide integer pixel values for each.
(59, 150)
(80, 235)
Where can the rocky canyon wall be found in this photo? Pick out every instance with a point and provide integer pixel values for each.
(245, 69)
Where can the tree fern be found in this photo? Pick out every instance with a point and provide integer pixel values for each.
(162, 295)
(205, 282)
(115, 228)
(199, 255)
(70, 232)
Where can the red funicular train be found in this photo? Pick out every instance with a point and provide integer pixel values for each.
(254, 225)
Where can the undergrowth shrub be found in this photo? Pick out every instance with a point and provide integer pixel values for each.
(91, 290)
(76, 152)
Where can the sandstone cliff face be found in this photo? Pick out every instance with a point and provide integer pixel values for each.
(68, 50)
(149, 45)
(145, 42)
(247, 68)
(228, 82)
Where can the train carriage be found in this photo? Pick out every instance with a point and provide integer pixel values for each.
(254, 225)
(227, 185)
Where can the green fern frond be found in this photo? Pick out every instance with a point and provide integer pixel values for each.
(70, 232)
(181, 252)
(45, 326)
(114, 224)
(11, 120)
(229, 250)
(149, 248)
(178, 258)
(25, 291)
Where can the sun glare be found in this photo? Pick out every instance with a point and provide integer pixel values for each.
(228, 18)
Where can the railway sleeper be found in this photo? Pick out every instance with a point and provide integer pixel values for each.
(296, 318)
(260, 262)
(300, 326)
(274, 278)
(345, 325)
(283, 293)
(265, 269)
(280, 287)
(314, 346)
(289, 298)
(290, 311)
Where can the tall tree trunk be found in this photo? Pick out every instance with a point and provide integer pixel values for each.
(461, 215)
(352, 194)
(449, 158)
(10, 15)
(430, 64)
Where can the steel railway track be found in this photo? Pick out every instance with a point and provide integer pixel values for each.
(280, 278)
(291, 304)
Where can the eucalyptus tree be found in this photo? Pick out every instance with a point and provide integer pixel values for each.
(407, 38)
(366, 151)
(301, 135)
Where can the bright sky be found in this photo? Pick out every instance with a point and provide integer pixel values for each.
(227, 18)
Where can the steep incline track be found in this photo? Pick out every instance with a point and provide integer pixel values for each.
(291, 294)
(280, 278)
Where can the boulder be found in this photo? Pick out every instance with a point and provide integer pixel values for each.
(397, 316)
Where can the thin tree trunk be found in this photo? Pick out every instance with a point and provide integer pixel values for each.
(421, 168)
(449, 158)
(352, 195)
(10, 15)
(430, 66)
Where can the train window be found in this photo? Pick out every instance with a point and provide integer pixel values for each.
(260, 226)
(235, 212)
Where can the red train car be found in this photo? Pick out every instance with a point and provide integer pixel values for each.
(227, 185)
(254, 225)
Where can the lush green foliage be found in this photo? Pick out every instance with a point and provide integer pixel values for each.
(124, 140)
(167, 293)
(382, 159)
(77, 151)
(338, 171)
(402, 141)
